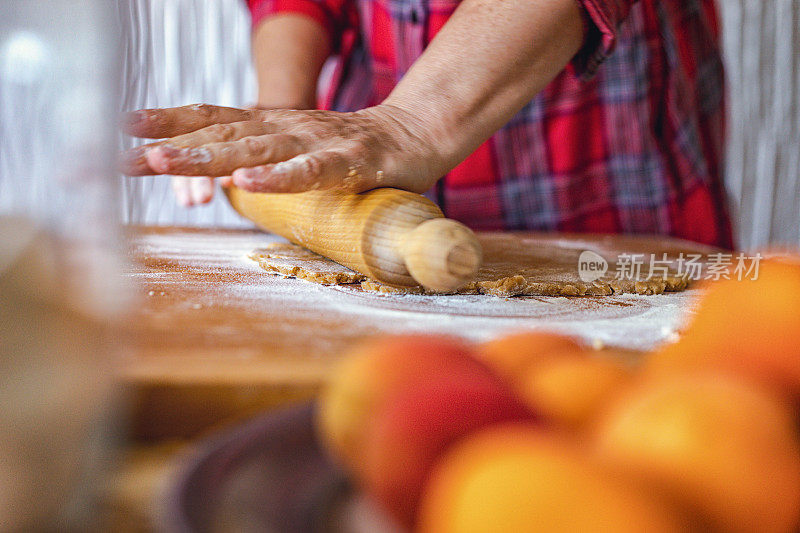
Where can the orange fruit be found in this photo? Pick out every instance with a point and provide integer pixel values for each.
(571, 391)
(718, 445)
(516, 478)
(404, 438)
(749, 328)
(513, 355)
(373, 371)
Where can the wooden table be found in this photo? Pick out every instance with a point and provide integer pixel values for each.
(213, 339)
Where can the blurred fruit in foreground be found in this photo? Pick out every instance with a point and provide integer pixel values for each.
(570, 391)
(718, 445)
(414, 426)
(519, 478)
(372, 372)
(514, 355)
(749, 328)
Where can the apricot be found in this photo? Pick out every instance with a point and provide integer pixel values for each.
(571, 391)
(718, 445)
(749, 328)
(512, 356)
(516, 478)
(416, 424)
(374, 370)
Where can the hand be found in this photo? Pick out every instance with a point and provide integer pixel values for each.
(287, 150)
(195, 190)
(198, 190)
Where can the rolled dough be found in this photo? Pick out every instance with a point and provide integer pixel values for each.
(514, 265)
(292, 261)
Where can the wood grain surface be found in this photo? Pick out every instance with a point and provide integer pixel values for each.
(214, 338)
(396, 237)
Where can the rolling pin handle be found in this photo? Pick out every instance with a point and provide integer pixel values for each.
(441, 254)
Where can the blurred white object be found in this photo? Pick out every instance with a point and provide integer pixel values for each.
(55, 386)
(59, 99)
(24, 59)
(60, 280)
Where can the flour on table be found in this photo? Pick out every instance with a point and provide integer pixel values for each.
(513, 266)
(211, 268)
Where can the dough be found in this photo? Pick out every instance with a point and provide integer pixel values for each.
(294, 261)
(514, 264)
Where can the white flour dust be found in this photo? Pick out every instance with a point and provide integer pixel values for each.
(627, 321)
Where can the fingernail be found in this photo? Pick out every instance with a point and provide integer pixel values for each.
(182, 195)
(201, 190)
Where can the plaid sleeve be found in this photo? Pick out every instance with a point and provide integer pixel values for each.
(602, 19)
(331, 14)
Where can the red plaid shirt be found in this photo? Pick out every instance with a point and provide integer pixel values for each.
(628, 139)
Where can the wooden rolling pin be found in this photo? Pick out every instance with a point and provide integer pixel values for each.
(396, 237)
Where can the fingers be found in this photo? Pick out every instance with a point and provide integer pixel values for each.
(160, 123)
(306, 172)
(222, 133)
(133, 162)
(182, 189)
(222, 158)
(192, 191)
(202, 190)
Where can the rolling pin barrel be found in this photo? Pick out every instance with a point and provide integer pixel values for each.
(395, 237)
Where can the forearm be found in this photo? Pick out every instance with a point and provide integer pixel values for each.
(288, 52)
(489, 60)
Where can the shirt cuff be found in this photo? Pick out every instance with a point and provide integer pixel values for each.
(601, 19)
(262, 9)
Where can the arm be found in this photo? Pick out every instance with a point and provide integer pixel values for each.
(291, 41)
(489, 60)
(288, 52)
